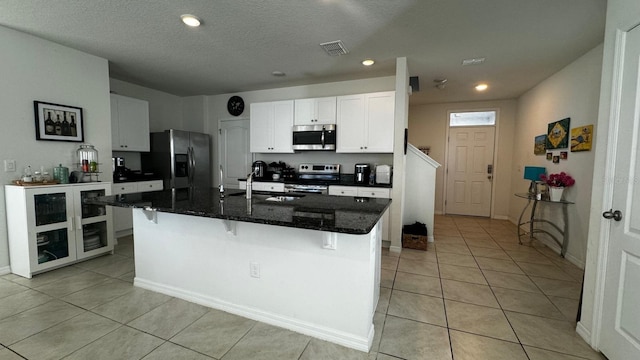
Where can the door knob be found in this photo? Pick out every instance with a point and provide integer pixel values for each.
(611, 214)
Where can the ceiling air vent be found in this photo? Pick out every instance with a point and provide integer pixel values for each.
(335, 48)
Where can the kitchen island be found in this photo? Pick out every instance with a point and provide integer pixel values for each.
(308, 263)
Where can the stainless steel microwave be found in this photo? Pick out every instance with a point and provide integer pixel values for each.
(314, 137)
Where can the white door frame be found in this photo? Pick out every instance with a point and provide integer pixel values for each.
(495, 155)
(216, 171)
(607, 193)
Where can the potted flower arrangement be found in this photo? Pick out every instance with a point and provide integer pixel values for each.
(557, 183)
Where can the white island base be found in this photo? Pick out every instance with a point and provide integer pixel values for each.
(283, 276)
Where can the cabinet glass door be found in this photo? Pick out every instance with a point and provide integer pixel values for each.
(94, 236)
(50, 208)
(88, 210)
(52, 245)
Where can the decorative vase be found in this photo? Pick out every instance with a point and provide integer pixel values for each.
(555, 193)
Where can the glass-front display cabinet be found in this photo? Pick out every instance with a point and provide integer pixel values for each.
(52, 226)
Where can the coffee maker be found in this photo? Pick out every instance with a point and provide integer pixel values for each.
(362, 173)
(120, 172)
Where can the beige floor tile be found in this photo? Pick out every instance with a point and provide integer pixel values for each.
(387, 277)
(21, 301)
(482, 243)
(568, 307)
(117, 268)
(10, 288)
(527, 303)
(214, 334)
(419, 267)
(541, 354)
(420, 284)
(529, 257)
(131, 305)
(123, 343)
(550, 334)
(473, 347)
(99, 294)
(269, 343)
(168, 319)
(378, 325)
(469, 293)
(100, 261)
(6, 354)
(71, 284)
(389, 262)
(456, 259)
(508, 266)
(489, 253)
(515, 247)
(409, 339)
(65, 338)
(318, 349)
(453, 248)
(479, 320)
(420, 255)
(44, 278)
(383, 301)
(443, 239)
(548, 271)
(128, 277)
(417, 307)
(169, 351)
(560, 288)
(510, 281)
(34, 320)
(446, 232)
(460, 273)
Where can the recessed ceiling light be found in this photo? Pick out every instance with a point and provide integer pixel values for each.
(482, 87)
(278, 73)
(368, 62)
(190, 20)
(473, 61)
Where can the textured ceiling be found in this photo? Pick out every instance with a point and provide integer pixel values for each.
(242, 41)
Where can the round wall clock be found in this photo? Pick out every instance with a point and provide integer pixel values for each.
(235, 105)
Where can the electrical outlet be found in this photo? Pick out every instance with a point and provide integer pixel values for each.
(9, 165)
(254, 269)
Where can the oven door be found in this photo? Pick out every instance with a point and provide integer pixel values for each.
(314, 137)
(313, 189)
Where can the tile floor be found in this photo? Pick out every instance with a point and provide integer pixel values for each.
(476, 294)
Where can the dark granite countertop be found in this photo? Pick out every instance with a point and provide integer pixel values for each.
(342, 214)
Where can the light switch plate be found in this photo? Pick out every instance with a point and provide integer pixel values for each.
(9, 165)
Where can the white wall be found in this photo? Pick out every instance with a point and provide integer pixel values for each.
(428, 127)
(572, 92)
(36, 69)
(621, 15)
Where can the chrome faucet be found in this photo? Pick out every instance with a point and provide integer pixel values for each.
(249, 184)
(221, 186)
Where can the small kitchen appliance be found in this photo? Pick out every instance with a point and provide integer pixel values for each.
(314, 137)
(361, 173)
(120, 172)
(259, 169)
(383, 174)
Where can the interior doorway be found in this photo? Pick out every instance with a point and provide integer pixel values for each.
(233, 150)
(469, 167)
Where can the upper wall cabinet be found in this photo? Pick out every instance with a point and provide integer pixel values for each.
(270, 127)
(129, 124)
(365, 122)
(315, 111)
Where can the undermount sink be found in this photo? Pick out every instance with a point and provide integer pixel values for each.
(270, 197)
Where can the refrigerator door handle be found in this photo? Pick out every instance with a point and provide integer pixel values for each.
(191, 167)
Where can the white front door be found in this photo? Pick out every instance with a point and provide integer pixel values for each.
(234, 155)
(470, 170)
(620, 330)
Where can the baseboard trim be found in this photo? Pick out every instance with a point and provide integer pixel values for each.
(306, 328)
(585, 334)
(501, 217)
(5, 270)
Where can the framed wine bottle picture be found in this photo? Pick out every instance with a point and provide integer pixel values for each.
(58, 122)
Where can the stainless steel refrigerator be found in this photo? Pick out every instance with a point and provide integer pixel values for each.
(182, 158)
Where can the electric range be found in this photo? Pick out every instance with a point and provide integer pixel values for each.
(315, 178)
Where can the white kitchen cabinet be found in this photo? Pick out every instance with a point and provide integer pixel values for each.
(315, 111)
(262, 186)
(270, 127)
(365, 123)
(51, 226)
(122, 217)
(365, 191)
(129, 124)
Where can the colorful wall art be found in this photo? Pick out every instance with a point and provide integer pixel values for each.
(581, 138)
(558, 134)
(540, 143)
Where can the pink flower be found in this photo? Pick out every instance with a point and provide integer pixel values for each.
(558, 180)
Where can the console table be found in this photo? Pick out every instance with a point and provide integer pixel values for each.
(563, 232)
